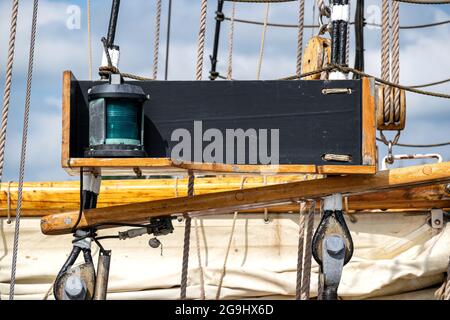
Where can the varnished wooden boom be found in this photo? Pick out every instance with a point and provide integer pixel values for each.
(224, 202)
(43, 198)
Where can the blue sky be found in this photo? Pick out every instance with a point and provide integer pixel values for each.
(424, 58)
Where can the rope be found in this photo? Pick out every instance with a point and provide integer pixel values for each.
(169, 22)
(306, 281)
(89, 32)
(430, 84)
(107, 70)
(395, 85)
(385, 56)
(443, 293)
(301, 21)
(266, 211)
(263, 41)
(322, 8)
(157, 37)
(23, 149)
(347, 45)
(424, 1)
(261, 1)
(199, 257)
(419, 145)
(230, 44)
(8, 80)
(230, 239)
(8, 203)
(201, 40)
(396, 57)
(301, 242)
(312, 26)
(186, 241)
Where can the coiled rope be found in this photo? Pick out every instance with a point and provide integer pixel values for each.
(8, 81)
(23, 148)
(157, 38)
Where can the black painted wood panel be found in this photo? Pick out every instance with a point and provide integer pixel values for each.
(310, 123)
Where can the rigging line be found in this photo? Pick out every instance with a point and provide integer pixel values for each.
(89, 32)
(263, 41)
(169, 22)
(431, 84)
(157, 37)
(431, 145)
(424, 1)
(386, 57)
(396, 57)
(227, 252)
(199, 259)
(201, 40)
(312, 26)
(377, 79)
(23, 148)
(306, 281)
(8, 81)
(186, 241)
(395, 85)
(301, 21)
(231, 44)
(300, 250)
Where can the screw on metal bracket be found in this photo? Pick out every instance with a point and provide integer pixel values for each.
(437, 218)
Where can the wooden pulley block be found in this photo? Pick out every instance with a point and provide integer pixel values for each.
(317, 54)
(392, 124)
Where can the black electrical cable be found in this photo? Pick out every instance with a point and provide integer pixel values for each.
(80, 213)
(113, 23)
(213, 74)
(169, 21)
(122, 224)
(106, 237)
(359, 37)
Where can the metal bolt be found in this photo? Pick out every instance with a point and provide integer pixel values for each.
(334, 245)
(154, 243)
(75, 288)
(437, 222)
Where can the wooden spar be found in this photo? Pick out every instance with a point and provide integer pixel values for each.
(43, 198)
(239, 200)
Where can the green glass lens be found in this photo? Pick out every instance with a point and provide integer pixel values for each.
(122, 122)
